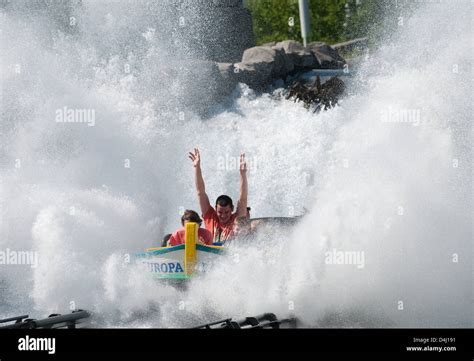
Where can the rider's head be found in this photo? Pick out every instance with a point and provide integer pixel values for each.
(190, 216)
(166, 238)
(224, 208)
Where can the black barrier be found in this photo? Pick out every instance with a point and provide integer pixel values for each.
(52, 321)
(267, 320)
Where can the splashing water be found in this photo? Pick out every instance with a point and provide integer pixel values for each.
(385, 176)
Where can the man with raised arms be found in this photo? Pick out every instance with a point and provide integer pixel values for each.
(220, 221)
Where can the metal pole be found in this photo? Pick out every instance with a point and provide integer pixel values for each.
(304, 20)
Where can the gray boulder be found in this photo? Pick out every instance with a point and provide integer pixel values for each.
(301, 57)
(251, 75)
(327, 56)
(262, 58)
(261, 65)
(285, 63)
(258, 62)
(226, 69)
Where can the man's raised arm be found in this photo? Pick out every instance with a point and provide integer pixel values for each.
(200, 187)
(242, 203)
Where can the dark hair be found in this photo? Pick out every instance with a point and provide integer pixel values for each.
(166, 238)
(224, 201)
(190, 216)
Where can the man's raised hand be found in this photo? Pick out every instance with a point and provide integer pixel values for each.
(195, 157)
(243, 164)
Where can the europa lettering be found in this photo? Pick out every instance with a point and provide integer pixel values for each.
(170, 267)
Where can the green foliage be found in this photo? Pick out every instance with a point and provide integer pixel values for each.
(327, 20)
(332, 21)
(272, 20)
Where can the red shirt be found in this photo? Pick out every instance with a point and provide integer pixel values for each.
(220, 232)
(179, 237)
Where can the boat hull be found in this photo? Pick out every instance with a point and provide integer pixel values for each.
(182, 261)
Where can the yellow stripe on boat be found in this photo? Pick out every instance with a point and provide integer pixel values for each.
(154, 249)
(215, 247)
(191, 230)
